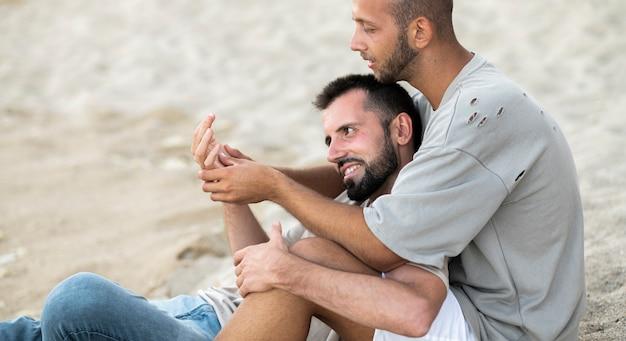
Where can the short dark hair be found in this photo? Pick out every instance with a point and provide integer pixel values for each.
(437, 11)
(387, 100)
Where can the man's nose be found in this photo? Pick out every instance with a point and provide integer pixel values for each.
(335, 152)
(356, 43)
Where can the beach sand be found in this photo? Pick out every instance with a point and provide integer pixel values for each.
(98, 101)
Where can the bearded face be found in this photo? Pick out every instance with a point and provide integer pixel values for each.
(393, 68)
(375, 172)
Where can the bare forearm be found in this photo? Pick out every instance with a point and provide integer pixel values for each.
(242, 228)
(365, 299)
(322, 179)
(338, 222)
(244, 181)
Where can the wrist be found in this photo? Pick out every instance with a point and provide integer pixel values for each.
(231, 209)
(287, 273)
(278, 183)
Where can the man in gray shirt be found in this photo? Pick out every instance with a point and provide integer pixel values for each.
(493, 188)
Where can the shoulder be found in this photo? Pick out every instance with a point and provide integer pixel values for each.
(493, 120)
(491, 110)
(474, 99)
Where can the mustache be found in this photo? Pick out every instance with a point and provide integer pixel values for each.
(365, 57)
(345, 160)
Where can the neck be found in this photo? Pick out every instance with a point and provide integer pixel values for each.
(405, 155)
(436, 68)
(386, 187)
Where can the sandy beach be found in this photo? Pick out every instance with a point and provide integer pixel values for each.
(98, 101)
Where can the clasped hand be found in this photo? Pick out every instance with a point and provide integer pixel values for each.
(229, 175)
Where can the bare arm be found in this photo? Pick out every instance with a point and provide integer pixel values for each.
(403, 308)
(405, 303)
(323, 179)
(246, 181)
(341, 223)
(242, 227)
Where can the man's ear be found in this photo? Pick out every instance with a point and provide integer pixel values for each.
(420, 31)
(403, 129)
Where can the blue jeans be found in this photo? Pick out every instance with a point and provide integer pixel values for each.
(89, 307)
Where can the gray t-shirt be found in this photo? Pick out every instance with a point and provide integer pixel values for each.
(494, 189)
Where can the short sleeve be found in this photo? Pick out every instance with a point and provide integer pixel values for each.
(293, 234)
(439, 202)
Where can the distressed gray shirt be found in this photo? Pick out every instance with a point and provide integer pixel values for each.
(494, 189)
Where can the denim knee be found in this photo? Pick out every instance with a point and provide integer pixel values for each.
(82, 296)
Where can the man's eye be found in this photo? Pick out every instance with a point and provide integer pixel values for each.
(348, 131)
(369, 29)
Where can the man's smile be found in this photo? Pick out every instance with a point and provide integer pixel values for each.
(349, 169)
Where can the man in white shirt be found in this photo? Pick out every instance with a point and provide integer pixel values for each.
(369, 133)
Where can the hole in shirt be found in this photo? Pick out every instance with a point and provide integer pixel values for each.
(500, 112)
(520, 176)
(472, 118)
(474, 101)
(482, 122)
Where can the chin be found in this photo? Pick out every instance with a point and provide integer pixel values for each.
(386, 78)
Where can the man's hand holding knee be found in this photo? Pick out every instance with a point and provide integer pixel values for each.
(258, 267)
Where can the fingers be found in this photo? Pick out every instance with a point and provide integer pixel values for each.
(224, 198)
(206, 143)
(238, 257)
(213, 183)
(233, 151)
(243, 290)
(226, 160)
(211, 175)
(209, 162)
(236, 153)
(212, 187)
(200, 131)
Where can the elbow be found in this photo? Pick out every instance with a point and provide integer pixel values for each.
(414, 322)
(379, 257)
(415, 330)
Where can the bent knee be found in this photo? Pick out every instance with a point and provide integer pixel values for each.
(79, 284)
(76, 296)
